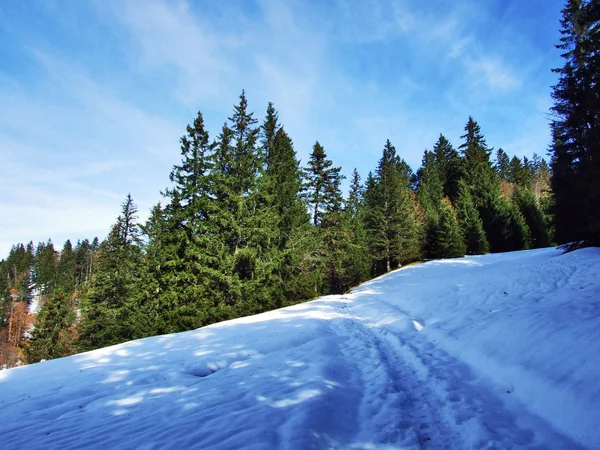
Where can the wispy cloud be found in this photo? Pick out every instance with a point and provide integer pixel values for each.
(82, 124)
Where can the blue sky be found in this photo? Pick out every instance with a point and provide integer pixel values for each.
(94, 95)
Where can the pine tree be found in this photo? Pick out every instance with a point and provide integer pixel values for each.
(576, 127)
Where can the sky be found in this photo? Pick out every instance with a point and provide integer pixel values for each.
(94, 95)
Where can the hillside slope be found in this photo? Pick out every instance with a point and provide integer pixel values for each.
(495, 351)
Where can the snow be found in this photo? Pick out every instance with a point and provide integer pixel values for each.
(495, 351)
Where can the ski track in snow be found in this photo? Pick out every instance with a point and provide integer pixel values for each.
(487, 352)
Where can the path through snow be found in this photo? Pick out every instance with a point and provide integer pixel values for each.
(498, 351)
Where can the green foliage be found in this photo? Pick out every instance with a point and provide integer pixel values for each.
(53, 334)
(449, 164)
(527, 205)
(322, 184)
(472, 226)
(576, 126)
(503, 166)
(105, 307)
(448, 240)
(235, 235)
(393, 218)
(508, 229)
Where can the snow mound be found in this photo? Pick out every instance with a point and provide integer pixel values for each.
(495, 351)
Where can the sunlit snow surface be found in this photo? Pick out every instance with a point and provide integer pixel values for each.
(497, 351)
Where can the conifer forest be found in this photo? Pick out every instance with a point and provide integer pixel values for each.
(245, 227)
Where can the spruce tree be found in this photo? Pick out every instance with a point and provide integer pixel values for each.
(471, 224)
(53, 334)
(527, 205)
(450, 166)
(374, 218)
(107, 306)
(321, 188)
(66, 269)
(357, 261)
(398, 237)
(503, 165)
(576, 126)
(45, 267)
(430, 192)
(448, 240)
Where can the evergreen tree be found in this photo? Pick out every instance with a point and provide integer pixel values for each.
(478, 171)
(397, 238)
(357, 261)
(448, 239)
(182, 251)
(284, 179)
(475, 239)
(450, 166)
(508, 229)
(504, 226)
(527, 205)
(54, 334)
(66, 268)
(374, 218)
(322, 181)
(45, 267)
(576, 126)
(519, 174)
(269, 131)
(430, 193)
(106, 307)
(503, 166)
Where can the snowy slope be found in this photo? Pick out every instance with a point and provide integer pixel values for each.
(496, 351)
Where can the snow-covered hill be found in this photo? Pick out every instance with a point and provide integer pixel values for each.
(496, 351)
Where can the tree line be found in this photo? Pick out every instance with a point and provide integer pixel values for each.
(244, 229)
